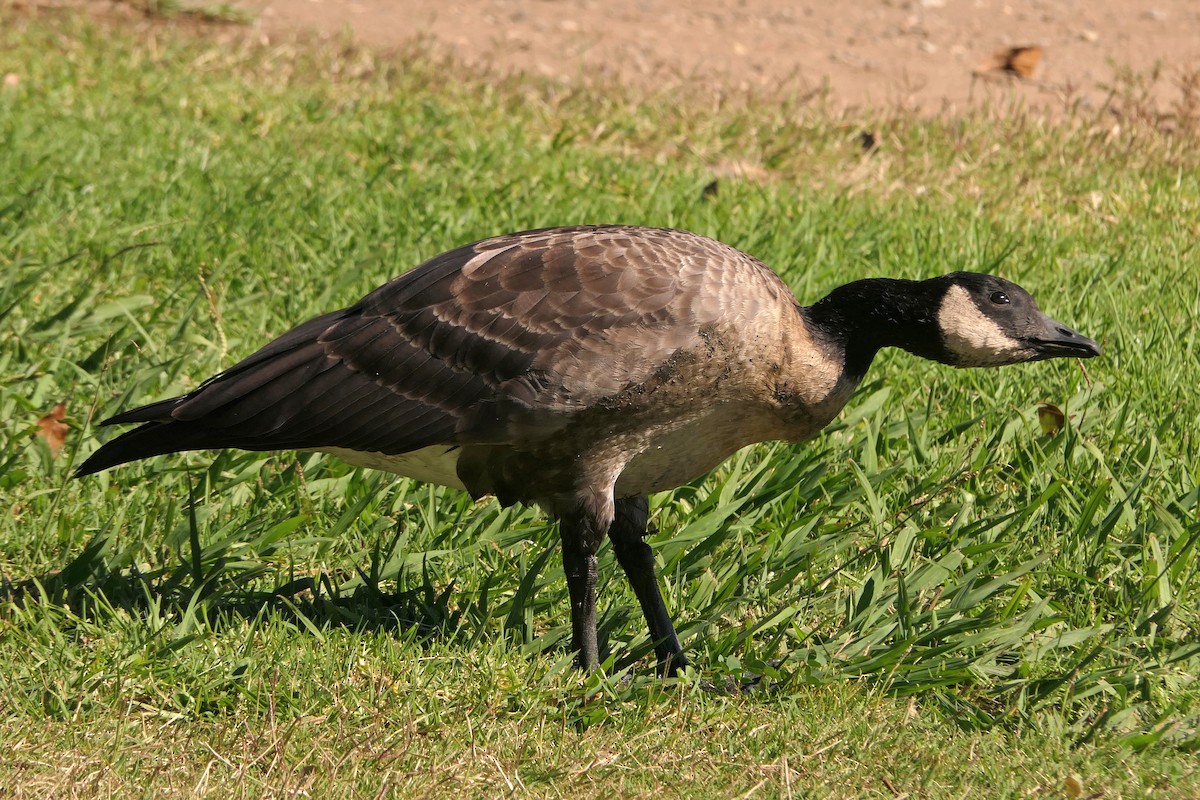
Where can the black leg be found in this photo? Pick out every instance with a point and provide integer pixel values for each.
(579, 563)
(637, 559)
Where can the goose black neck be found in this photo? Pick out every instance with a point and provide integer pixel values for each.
(864, 316)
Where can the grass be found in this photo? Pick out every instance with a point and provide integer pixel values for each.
(933, 599)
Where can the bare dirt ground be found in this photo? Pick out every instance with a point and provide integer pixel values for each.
(931, 56)
(918, 54)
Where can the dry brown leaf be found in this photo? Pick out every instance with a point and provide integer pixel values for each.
(1019, 62)
(53, 430)
(1051, 418)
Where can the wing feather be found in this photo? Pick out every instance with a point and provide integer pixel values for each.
(547, 321)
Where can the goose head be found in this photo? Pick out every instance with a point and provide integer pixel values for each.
(964, 319)
(986, 321)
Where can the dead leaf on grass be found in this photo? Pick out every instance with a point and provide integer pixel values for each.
(1020, 62)
(1051, 418)
(52, 430)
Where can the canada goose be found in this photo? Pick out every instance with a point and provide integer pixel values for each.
(581, 369)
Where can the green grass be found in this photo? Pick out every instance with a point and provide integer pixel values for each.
(944, 600)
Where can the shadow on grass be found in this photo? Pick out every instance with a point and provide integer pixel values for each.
(91, 588)
(96, 588)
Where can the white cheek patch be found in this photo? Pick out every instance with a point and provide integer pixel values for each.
(974, 338)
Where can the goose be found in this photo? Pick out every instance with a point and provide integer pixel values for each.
(580, 369)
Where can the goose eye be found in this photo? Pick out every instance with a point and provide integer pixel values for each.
(1000, 298)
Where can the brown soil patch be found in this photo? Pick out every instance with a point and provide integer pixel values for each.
(919, 54)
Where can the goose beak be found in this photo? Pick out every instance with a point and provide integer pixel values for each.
(1056, 340)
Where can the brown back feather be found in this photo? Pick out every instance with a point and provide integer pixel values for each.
(537, 323)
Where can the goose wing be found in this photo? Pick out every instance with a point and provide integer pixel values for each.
(549, 321)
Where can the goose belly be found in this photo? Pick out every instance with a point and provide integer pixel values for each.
(434, 464)
(679, 453)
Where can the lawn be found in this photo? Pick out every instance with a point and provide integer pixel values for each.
(938, 597)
